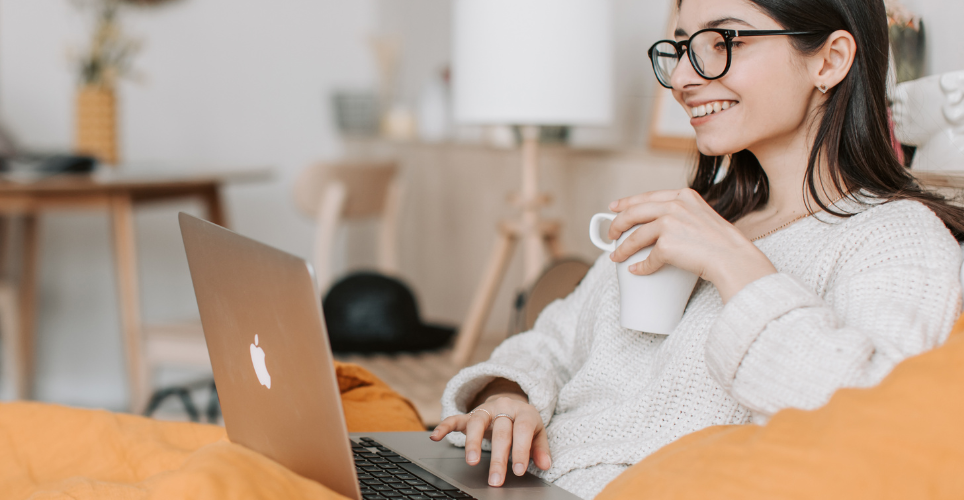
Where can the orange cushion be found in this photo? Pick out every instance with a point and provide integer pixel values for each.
(50, 451)
(901, 439)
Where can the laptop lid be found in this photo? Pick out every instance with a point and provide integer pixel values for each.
(262, 320)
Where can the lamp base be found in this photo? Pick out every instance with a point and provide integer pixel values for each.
(510, 232)
(536, 234)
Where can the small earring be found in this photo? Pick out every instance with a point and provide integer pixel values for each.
(822, 89)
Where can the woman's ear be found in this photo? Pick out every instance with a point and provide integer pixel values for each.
(832, 62)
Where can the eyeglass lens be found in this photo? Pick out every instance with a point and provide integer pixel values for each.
(707, 51)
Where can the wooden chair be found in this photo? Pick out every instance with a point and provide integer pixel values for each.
(336, 193)
(12, 361)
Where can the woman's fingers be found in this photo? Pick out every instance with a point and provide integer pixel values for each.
(514, 442)
(501, 444)
(664, 195)
(652, 263)
(474, 431)
(523, 431)
(643, 213)
(540, 449)
(455, 423)
(641, 238)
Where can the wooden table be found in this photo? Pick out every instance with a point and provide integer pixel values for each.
(116, 191)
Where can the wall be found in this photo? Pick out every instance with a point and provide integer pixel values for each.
(227, 83)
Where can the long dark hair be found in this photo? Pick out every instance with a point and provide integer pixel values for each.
(853, 133)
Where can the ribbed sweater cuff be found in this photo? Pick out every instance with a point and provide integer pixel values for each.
(746, 315)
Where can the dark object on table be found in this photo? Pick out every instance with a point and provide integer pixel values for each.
(14, 159)
(369, 312)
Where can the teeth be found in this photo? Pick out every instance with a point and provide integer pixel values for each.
(710, 108)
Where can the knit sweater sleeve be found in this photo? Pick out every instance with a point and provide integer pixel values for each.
(541, 360)
(895, 293)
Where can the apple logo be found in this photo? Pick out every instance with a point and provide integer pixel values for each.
(257, 357)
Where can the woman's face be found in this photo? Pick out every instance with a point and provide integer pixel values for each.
(766, 91)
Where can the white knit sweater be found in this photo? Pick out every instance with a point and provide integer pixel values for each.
(853, 297)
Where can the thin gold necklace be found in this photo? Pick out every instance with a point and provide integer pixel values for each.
(804, 216)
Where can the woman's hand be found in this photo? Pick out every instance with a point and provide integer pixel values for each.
(688, 234)
(523, 433)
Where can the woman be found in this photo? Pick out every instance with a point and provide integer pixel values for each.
(823, 264)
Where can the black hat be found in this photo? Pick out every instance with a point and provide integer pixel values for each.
(371, 312)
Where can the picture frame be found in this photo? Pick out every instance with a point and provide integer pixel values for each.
(669, 127)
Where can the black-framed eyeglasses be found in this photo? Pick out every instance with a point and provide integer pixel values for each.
(710, 52)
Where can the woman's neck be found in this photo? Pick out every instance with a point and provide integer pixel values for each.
(785, 163)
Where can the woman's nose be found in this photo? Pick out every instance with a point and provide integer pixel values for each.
(684, 75)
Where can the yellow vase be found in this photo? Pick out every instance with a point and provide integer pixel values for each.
(95, 129)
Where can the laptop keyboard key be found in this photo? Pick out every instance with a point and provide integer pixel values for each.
(409, 491)
(424, 488)
(458, 494)
(428, 477)
(435, 494)
(398, 460)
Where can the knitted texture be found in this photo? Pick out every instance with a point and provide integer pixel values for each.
(853, 297)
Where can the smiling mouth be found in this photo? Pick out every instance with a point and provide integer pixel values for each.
(711, 108)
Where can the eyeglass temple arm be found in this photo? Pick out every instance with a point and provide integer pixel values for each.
(736, 33)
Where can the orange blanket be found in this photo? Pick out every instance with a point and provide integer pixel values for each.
(54, 452)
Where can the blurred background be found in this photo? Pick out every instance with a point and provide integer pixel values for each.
(282, 86)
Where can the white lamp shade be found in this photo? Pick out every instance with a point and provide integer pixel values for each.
(532, 62)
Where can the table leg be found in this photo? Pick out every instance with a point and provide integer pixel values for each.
(4, 239)
(215, 206)
(125, 260)
(28, 306)
(468, 335)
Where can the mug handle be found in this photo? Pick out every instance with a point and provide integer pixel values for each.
(594, 232)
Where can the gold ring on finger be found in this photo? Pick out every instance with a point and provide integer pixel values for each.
(486, 412)
(506, 415)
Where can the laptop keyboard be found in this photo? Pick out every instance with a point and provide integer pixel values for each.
(386, 475)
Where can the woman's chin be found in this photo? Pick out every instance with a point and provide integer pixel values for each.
(710, 148)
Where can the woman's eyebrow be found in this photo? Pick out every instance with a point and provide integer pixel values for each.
(716, 23)
(726, 20)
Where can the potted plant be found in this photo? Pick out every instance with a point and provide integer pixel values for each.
(106, 59)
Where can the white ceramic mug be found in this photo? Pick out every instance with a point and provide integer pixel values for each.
(653, 303)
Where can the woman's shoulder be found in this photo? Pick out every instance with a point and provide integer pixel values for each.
(897, 230)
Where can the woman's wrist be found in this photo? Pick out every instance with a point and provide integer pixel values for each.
(500, 387)
(746, 266)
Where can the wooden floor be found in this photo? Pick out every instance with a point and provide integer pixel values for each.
(421, 377)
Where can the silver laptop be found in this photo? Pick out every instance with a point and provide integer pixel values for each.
(275, 375)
